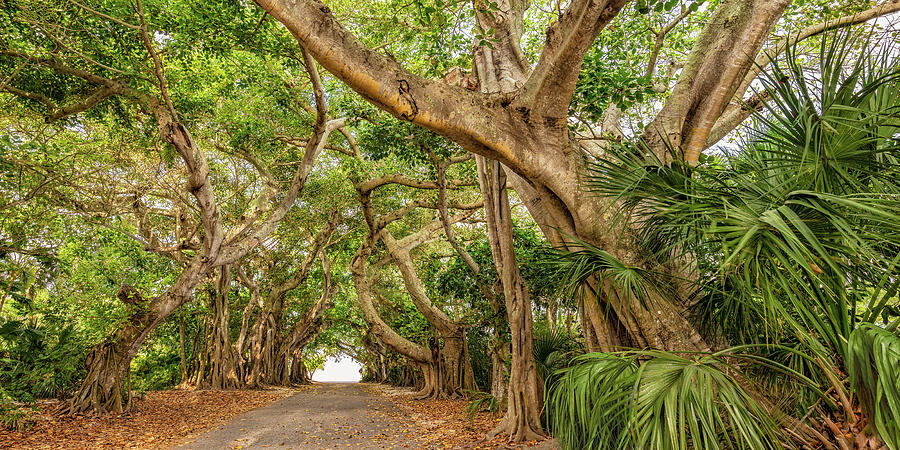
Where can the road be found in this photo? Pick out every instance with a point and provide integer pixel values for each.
(326, 416)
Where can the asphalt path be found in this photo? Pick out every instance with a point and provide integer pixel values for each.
(326, 416)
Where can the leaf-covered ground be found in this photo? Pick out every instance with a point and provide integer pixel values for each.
(167, 418)
(160, 419)
(446, 424)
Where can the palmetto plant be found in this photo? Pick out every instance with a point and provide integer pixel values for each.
(796, 244)
(610, 400)
(554, 350)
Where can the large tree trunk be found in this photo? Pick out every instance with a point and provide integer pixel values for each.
(298, 373)
(109, 363)
(104, 389)
(264, 341)
(520, 118)
(220, 352)
(525, 398)
(197, 360)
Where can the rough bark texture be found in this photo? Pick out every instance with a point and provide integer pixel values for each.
(721, 58)
(525, 397)
(222, 367)
(499, 352)
(519, 120)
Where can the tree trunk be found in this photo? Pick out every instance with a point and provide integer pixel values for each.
(430, 382)
(103, 389)
(454, 355)
(182, 351)
(222, 372)
(382, 368)
(499, 370)
(417, 354)
(298, 372)
(262, 347)
(198, 360)
(525, 399)
(108, 364)
(450, 366)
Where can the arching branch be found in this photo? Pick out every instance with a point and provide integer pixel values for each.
(451, 111)
(737, 111)
(552, 82)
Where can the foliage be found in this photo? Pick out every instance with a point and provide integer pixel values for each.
(554, 350)
(795, 240)
(666, 402)
(480, 401)
(157, 365)
(873, 354)
(794, 237)
(38, 361)
(14, 416)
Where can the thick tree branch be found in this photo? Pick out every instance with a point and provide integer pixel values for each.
(712, 74)
(460, 115)
(415, 352)
(734, 116)
(372, 184)
(737, 112)
(400, 253)
(502, 60)
(552, 82)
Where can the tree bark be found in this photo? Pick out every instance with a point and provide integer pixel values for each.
(220, 352)
(499, 352)
(416, 353)
(525, 398)
(450, 374)
(519, 119)
(108, 364)
(182, 351)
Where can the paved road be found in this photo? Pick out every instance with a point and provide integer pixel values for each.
(327, 416)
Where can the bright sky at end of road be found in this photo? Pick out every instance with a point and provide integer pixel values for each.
(345, 370)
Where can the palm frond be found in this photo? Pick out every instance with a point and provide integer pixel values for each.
(667, 402)
(873, 362)
(554, 350)
(588, 404)
(576, 267)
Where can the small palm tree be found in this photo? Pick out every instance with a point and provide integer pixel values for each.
(796, 239)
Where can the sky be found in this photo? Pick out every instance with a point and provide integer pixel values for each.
(346, 369)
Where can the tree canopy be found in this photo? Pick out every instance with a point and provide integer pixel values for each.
(648, 224)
